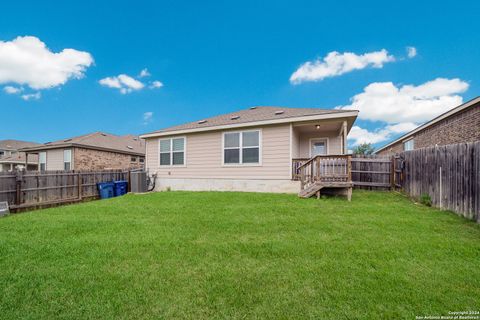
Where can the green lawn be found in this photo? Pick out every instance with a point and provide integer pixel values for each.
(238, 255)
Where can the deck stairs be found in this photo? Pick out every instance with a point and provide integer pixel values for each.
(311, 190)
(331, 172)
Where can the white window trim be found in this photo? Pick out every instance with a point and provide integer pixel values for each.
(260, 148)
(408, 140)
(71, 157)
(40, 163)
(171, 153)
(311, 140)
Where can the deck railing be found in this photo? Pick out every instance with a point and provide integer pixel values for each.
(296, 163)
(327, 169)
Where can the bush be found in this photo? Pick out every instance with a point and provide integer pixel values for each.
(426, 200)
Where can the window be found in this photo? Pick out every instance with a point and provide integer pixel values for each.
(318, 147)
(133, 159)
(241, 147)
(67, 159)
(172, 152)
(142, 160)
(42, 160)
(408, 145)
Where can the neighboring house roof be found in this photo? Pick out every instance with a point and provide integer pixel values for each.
(19, 157)
(128, 144)
(11, 144)
(253, 116)
(432, 122)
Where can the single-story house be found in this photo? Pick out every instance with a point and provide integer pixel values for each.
(460, 124)
(257, 149)
(12, 159)
(94, 151)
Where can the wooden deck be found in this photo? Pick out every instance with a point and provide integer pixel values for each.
(319, 172)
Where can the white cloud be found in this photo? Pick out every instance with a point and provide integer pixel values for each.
(156, 84)
(411, 52)
(335, 64)
(383, 101)
(28, 61)
(402, 108)
(126, 84)
(12, 90)
(359, 135)
(147, 117)
(144, 73)
(401, 127)
(31, 96)
(111, 82)
(123, 82)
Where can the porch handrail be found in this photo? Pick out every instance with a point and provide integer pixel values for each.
(326, 169)
(325, 156)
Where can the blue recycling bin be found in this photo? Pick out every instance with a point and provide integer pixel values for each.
(105, 189)
(120, 187)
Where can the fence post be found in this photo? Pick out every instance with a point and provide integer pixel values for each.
(18, 182)
(129, 179)
(79, 185)
(392, 174)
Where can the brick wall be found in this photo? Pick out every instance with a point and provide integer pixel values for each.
(460, 127)
(89, 159)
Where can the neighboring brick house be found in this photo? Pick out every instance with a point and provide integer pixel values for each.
(12, 159)
(94, 151)
(461, 124)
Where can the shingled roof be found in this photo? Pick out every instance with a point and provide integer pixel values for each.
(252, 114)
(11, 144)
(128, 144)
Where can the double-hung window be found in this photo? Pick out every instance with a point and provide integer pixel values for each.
(172, 152)
(42, 160)
(67, 159)
(241, 147)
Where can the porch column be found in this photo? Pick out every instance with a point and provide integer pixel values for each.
(344, 132)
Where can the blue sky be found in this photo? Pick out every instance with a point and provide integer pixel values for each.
(220, 56)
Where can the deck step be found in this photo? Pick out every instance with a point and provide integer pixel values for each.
(311, 190)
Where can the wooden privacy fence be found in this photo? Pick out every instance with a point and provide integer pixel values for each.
(373, 172)
(25, 189)
(450, 175)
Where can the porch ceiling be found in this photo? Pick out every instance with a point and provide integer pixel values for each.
(324, 126)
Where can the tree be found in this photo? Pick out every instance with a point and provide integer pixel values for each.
(364, 148)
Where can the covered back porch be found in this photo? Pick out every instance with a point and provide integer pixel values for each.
(320, 157)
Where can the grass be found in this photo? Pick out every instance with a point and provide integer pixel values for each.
(238, 255)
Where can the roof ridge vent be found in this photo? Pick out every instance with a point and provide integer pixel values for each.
(202, 121)
(279, 112)
(66, 140)
(130, 147)
(253, 108)
(235, 118)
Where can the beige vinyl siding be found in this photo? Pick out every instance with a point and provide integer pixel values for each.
(295, 144)
(55, 159)
(334, 143)
(204, 157)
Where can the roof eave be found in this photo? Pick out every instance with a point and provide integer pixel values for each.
(78, 145)
(333, 115)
